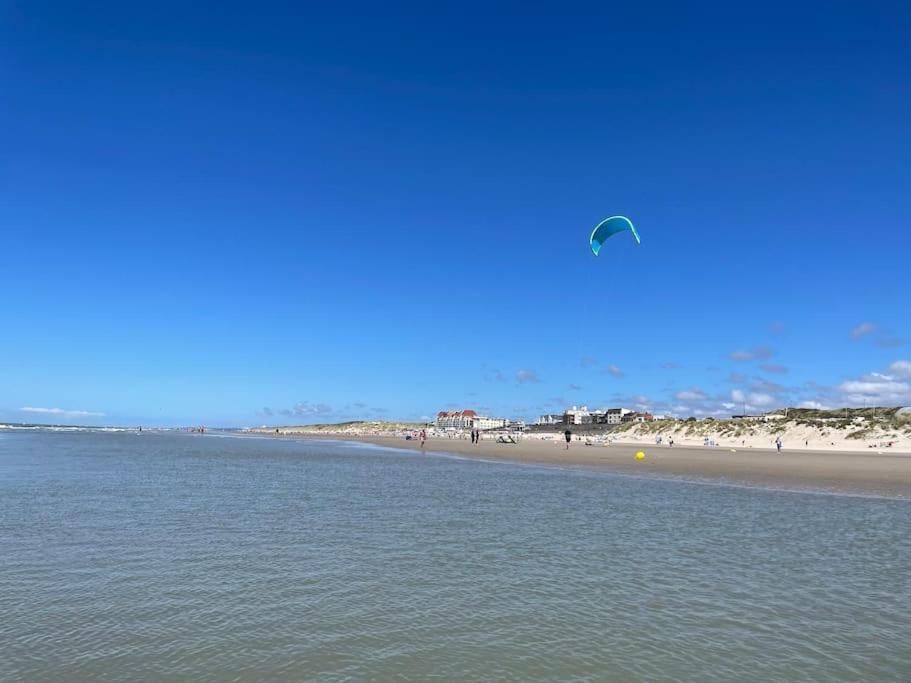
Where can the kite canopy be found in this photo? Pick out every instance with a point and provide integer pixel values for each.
(607, 228)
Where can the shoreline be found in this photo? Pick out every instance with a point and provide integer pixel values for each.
(864, 473)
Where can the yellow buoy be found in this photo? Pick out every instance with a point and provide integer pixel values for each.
(640, 456)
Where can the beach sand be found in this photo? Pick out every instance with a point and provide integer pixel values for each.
(867, 473)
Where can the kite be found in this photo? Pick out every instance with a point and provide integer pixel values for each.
(609, 227)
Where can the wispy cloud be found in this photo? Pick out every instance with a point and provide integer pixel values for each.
(753, 399)
(765, 386)
(863, 330)
(670, 365)
(614, 371)
(587, 361)
(691, 395)
(776, 327)
(61, 412)
(755, 353)
(774, 368)
(901, 368)
(574, 387)
(815, 405)
(526, 376)
(307, 409)
(889, 342)
(494, 375)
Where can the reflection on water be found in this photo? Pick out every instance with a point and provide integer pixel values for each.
(126, 557)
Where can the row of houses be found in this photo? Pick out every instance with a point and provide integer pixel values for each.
(606, 416)
(469, 419)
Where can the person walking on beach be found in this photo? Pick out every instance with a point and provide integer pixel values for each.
(568, 435)
(778, 443)
(423, 437)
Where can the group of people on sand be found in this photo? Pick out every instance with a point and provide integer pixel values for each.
(475, 435)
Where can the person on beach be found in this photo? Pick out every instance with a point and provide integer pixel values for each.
(568, 435)
(423, 437)
(778, 443)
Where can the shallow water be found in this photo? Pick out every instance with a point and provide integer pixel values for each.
(182, 557)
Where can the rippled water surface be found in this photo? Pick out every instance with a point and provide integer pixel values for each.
(179, 557)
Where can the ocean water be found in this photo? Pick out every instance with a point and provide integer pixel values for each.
(176, 557)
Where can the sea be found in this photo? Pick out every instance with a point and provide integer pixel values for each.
(162, 556)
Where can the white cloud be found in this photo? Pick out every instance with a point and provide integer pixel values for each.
(761, 400)
(753, 400)
(901, 369)
(877, 389)
(863, 330)
(815, 405)
(527, 376)
(774, 368)
(614, 371)
(60, 412)
(690, 395)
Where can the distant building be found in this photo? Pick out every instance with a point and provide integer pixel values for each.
(468, 419)
(637, 417)
(481, 422)
(458, 419)
(550, 419)
(577, 416)
(614, 416)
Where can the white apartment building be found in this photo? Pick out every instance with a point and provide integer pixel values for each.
(456, 419)
(481, 422)
(468, 419)
(614, 416)
(577, 416)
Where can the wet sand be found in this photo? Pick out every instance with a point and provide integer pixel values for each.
(885, 474)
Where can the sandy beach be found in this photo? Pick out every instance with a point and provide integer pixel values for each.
(868, 473)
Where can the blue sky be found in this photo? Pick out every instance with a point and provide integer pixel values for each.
(243, 214)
